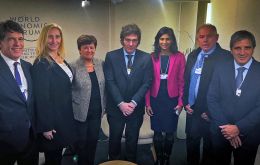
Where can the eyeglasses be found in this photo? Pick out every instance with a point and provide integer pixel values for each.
(131, 40)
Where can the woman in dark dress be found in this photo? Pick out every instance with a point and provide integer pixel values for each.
(52, 80)
(164, 98)
(88, 95)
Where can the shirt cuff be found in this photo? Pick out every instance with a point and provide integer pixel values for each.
(134, 102)
(120, 103)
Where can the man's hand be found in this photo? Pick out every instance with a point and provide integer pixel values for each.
(127, 108)
(188, 109)
(149, 110)
(229, 131)
(235, 142)
(49, 134)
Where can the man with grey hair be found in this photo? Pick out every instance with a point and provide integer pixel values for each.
(199, 68)
(128, 74)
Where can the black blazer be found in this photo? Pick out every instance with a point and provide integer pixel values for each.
(227, 108)
(121, 87)
(53, 103)
(16, 113)
(200, 105)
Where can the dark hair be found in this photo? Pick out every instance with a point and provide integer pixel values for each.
(210, 26)
(241, 35)
(9, 26)
(162, 31)
(130, 29)
(86, 40)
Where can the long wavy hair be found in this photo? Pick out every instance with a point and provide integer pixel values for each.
(162, 31)
(42, 50)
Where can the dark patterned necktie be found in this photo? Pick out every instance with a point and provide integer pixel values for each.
(129, 62)
(239, 78)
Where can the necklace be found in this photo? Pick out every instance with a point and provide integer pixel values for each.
(166, 69)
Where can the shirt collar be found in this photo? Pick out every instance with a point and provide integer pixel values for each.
(125, 53)
(210, 50)
(9, 61)
(247, 65)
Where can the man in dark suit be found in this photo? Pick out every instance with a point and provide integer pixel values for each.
(16, 107)
(198, 72)
(234, 103)
(128, 74)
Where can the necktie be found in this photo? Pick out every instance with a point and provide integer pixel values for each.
(239, 78)
(129, 62)
(194, 79)
(18, 77)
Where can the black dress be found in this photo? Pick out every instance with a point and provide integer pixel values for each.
(164, 118)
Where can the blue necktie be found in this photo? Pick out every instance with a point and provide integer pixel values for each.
(194, 79)
(18, 77)
(239, 78)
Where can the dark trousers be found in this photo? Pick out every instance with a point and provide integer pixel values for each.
(86, 146)
(193, 149)
(53, 157)
(30, 156)
(163, 146)
(116, 127)
(222, 150)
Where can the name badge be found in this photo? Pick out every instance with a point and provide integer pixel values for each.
(163, 76)
(128, 71)
(238, 92)
(198, 70)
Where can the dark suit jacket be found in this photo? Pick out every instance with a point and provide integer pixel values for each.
(16, 113)
(122, 87)
(53, 103)
(227, 108)
(194, 121)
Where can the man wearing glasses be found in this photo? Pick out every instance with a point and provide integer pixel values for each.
(128, 74)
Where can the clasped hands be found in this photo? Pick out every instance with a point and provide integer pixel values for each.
(231, 133)
(127, 108)
(49, 134)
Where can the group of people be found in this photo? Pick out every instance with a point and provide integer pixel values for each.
(50, 105)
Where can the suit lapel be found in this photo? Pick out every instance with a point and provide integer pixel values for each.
(171, 63)
(9, 78)
(249, 77)
(82, 71)
(121, 62)
(99, 70)
(231, 78)
(156, 65)
(59, 71)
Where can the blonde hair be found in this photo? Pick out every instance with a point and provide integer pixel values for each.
(42, 50)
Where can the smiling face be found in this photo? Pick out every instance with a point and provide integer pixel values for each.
(165, 43)
(206, 38)
(87, 51)
(12, 45)
(242, 51)
(54, 40)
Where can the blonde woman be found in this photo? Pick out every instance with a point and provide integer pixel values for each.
(52, 80)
